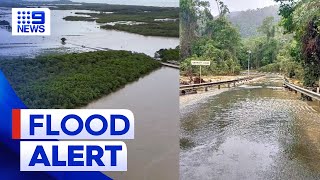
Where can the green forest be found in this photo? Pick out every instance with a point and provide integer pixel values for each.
(287, 43)
(74, 80)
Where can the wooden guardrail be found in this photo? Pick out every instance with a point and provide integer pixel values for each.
(301, 90)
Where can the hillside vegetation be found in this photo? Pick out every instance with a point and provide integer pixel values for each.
(248, 21)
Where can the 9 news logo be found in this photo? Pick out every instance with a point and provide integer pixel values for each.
(31, 21)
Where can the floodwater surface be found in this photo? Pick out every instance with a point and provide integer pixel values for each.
(81, 37)
(154, 153)
(256, 131)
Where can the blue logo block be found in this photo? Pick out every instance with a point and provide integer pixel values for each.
(31, 21)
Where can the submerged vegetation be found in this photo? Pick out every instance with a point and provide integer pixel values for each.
(119, 9)
(152, 21)
(74, 80)
(157, 21)
(165, 29)
(290, 47)
(4, 23)
(168, 54)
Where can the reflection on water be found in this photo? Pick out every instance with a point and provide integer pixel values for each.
(81, 36)
(258, 131)
(154, 153)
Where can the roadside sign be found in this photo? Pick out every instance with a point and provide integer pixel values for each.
(200, 63)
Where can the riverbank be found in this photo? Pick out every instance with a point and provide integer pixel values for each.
(145, 21)
(192, 99)
(74, 80)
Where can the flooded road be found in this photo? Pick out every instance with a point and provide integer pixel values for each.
(154, 153)
(256, 131)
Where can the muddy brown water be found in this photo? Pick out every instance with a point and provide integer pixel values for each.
(81, 37)
(154, 153)
(256, 131)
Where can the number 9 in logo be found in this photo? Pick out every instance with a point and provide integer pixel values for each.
(38, 17)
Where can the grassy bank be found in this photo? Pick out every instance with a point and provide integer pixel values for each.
(74, 80)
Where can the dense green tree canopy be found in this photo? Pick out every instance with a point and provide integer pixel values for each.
(168, 54)
(302, 18)
(289, 45)
(74, 80)
(217, 41)
(193, 15)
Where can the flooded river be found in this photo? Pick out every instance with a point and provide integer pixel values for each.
(154, 153)
(256, 131)
(81, 37)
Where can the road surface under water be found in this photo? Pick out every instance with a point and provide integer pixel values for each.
(256, 131)
(154, 153)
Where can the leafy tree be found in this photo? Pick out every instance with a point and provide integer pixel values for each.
(219, 42)
(192, 13)
(268, 28)
(302, 19)
(222, 8)
(265, 47)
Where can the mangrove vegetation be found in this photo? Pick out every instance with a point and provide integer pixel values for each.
(74, 80)
(168, 54)
(148, 21)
